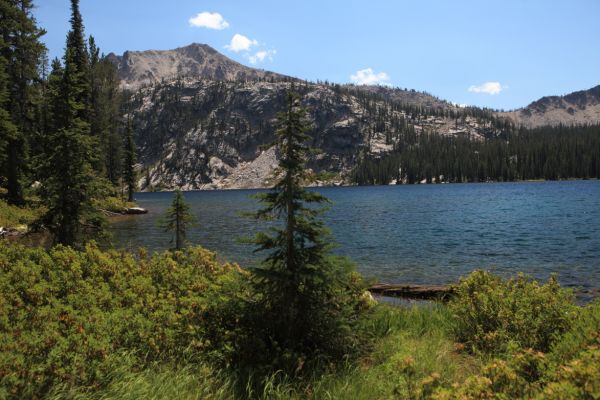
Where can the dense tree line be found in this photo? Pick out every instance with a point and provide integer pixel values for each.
(542, 153)
(62, 129)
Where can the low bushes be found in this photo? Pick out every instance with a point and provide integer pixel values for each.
(64, 313)
(113, 204)
(493, 315)
(568, 372)
(544, 347)
(108, 324)
(16, 217)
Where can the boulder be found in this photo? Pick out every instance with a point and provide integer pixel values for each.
(136, 210)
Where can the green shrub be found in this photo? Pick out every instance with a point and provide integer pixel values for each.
(530, 375)
(494, 315)
(576, 379)
(575, 359)
(515, 378)
(15, 217)
(113, 204)
(584, 332)
(63, 313)
(569, 371)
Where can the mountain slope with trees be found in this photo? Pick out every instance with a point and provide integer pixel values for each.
(199, 134)
(202, 121)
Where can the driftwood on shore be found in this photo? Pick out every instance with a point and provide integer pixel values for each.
(409, 291)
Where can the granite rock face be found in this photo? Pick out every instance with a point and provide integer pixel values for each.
(205, 121)
(201, 134)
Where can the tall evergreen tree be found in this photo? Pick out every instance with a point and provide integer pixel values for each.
(307, 301)
(129, 174)
(71, 184)
(105, 101)
(23, 52)
(8, 129)
(79, 58)
(178, 219)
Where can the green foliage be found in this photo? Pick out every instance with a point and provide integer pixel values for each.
(577, 379)
(71, 184)
(307, 301)
(21, 53)
(129, 174)
(198, 382)
(569, 372)
(584, 332)
(178, 219)
(105, 103)
(113, 204)
(94, 325)
(515, 378)
(13, 216)
(60, 129)
(67, 316)
(494, 315)
(8, 129)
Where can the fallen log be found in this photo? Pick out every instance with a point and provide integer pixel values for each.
(409, 291)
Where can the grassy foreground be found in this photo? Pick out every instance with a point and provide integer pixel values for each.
(95, 324)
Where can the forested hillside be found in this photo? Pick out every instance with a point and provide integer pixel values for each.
(541, 153)
(207, 134)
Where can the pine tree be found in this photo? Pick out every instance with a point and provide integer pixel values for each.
(178, 219)
(129, 174)
(79, 57)
(307, 299)
(23, 52)
(105, 107)
(8, 129)
(71, 186)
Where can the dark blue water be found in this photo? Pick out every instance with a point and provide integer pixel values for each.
(417, 233)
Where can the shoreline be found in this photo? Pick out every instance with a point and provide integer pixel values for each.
(343, 185)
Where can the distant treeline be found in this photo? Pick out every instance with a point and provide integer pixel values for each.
(542, 153)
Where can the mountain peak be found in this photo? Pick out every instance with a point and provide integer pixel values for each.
(197, 60)
(574, 108)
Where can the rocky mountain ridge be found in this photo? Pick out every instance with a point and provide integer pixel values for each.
(139, 68)
(579, 107)
(202, 120)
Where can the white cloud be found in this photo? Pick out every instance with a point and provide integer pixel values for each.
(487, 87)
(368, 77)
(240, 43)
(209, 20)
(261, 56)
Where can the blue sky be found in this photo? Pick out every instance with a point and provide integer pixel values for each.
(492, 53)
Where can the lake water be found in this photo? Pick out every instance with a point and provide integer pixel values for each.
(416, 233)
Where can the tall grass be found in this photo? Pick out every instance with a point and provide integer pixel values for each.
(411, 345)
